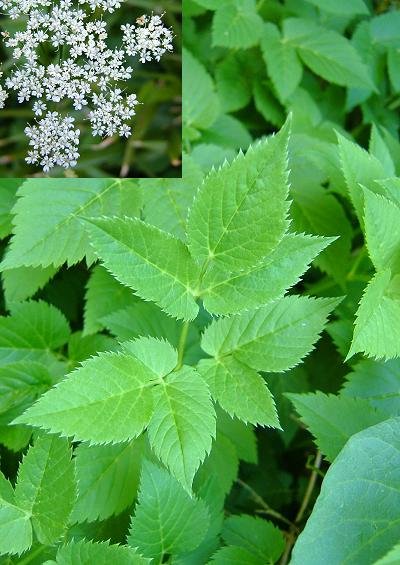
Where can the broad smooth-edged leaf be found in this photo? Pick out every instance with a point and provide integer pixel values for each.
(46, 486)
(327, 53)
(200, 101)
(20, 385)
(273, 338)
(15, 529)
(378, 382)
(104, 295)
(23, 282)
(166, 519)
(48, 230)
(382, 231)
(237, 25)
(342, 7)
(240, 212)
(100, 553)
(377, 325)
(356, 517)
(154, 264)
(107, 477)
(223, 293)
(283, 64)
(183, 423)
(385, 29)
(240, 390)
(107, 399)
(33, 329)
(359, 168)
(332, 420)
(256, 535)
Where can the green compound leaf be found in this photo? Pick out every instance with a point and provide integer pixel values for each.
(166, 520)
(332, 420)
(107, 399)
(356, 516)
(183, 423)
(240, 212)
(382, 230)
(108, 478)
(274, 338)
(154, 264)
(283, 64)
(101, 553)
(377, 325)
(48, 230)
(240, 390)
(225, 293)
(327, 53)
(236, 24)
(46, 487)
(33, 329)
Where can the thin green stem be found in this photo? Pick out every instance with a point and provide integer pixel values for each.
(266, 509)
(181, 344)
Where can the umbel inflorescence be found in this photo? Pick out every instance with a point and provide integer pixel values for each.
(63, 62)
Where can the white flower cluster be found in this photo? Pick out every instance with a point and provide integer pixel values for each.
(54, 141)
(63, 57)
(151, 40)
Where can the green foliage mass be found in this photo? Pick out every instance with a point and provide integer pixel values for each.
(206, 370)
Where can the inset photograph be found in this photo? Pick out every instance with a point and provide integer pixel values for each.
(90, 88)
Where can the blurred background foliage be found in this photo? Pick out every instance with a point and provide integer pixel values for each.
(154, 149)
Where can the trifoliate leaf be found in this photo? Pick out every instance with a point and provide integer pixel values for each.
(183, 423)
(46, 487)
(166, 520)
(48, 230)
(154, 264)
(239, 213)
(108, 478)
(240, 391)
(356, 516)
(224, 293)
(107, 399)
(273, 338)
(332, 420)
